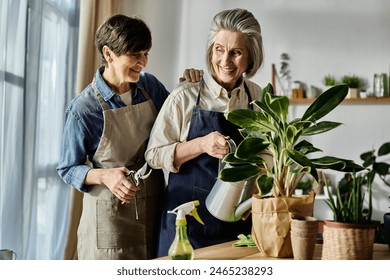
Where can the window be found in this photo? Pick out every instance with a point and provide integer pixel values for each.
(38, 40)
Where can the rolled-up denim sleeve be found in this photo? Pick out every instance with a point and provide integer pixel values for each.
(72, 167)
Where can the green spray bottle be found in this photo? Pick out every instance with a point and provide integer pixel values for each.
(181, 248)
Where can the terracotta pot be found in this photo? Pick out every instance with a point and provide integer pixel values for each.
(271, 219)
(347, 241)
(304, 231)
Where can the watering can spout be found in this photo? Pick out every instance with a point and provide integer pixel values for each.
(243, 207)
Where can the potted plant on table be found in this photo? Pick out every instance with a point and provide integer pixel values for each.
(274, 154)
(351, 234)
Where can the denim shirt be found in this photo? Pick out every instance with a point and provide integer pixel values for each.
(84, 122)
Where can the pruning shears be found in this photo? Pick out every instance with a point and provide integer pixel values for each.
(134, 177)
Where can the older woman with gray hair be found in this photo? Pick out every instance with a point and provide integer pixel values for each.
(190, 134)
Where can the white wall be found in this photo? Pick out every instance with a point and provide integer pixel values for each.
(321, 36)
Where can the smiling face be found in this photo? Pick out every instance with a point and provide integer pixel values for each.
(124, 69)
(230, 58)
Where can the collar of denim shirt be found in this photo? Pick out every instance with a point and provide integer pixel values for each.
(105, 91)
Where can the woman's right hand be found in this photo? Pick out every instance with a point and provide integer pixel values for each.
(214, 144)
(115, 180)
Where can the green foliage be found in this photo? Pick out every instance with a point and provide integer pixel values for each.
(350, 199)
(380, 168)
(352, 81)
(272, 149)
(351, 189)
(305, 185)
(329, 80)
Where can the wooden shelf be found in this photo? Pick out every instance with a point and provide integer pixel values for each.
(370, 100)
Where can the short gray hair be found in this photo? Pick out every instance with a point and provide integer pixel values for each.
(243, 21)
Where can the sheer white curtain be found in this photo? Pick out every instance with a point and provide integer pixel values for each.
(38, 45)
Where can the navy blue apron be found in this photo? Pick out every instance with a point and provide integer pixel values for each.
(194, 181)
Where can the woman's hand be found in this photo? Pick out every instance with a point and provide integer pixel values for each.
(115, 180)
(191, 75)
(214, 144)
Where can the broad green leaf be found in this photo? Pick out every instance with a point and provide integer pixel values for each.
(384, 149)
(265, 184)
(269, 88)
(231, 159)
(382, 168)
(292, 134)
(239, 173)
(320, 127)
(337, 164)
(249, 119)
(251, 133)
(368, 158)
(299, 124)
(250, 148)
(267, 111)
(303, 161)
(275, 106)
(326, 102)
(306, 147)
(279, 105)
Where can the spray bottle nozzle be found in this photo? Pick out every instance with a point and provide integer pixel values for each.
(188, 208)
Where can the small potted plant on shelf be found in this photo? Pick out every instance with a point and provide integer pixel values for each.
(329, 81)
(352, 233)
(354, 82)
(274, 154)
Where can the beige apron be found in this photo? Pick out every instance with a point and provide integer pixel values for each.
(109, 229)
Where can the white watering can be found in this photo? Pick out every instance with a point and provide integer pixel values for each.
(228, 201)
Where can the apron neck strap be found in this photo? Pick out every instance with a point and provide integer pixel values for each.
(104, 104)
(99, 96)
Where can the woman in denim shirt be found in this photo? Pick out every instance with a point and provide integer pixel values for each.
(105, 135)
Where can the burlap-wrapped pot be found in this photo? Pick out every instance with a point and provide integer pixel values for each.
(271, 222)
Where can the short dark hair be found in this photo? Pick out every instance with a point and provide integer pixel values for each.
(123, 34)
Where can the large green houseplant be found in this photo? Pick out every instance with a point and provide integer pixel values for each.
(269, 135)
(274, 153)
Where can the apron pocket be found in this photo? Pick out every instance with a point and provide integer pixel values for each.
(116, 226)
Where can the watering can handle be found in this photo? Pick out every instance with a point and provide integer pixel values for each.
(232, 147)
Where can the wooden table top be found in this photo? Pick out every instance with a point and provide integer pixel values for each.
(226, 251)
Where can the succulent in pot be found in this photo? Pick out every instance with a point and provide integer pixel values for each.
(272, 149)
